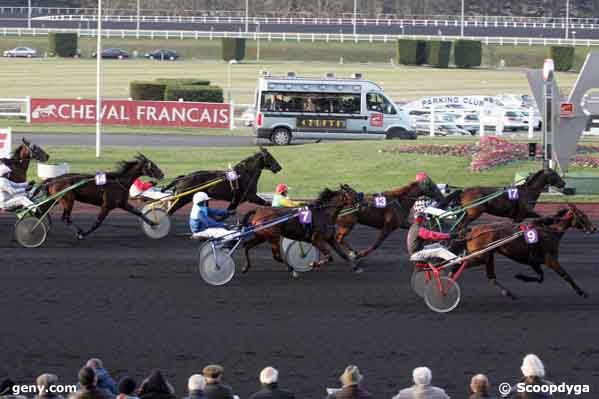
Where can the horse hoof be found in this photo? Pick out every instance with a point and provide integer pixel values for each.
(352, 255)
(295, 274)
(583, 294)
(80, 236)
(245, 270)
(358, 270)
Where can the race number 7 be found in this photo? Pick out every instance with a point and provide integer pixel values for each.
(305, 216)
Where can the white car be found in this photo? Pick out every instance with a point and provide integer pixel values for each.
(514, 120)
(537, 121)
(248, 116)
(469, 122)
(21, 52)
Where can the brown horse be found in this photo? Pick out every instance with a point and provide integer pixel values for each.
(114, 194)
(517, 209)
(19, 162)
(545, 252)
(243, 189)
(320, 232)
(387, 219)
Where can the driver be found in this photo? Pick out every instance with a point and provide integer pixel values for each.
(141, 189)
(418, 236)
(12, 195)
(202, 220)
(281, 199)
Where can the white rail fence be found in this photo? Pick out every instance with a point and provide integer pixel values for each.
(293, 36)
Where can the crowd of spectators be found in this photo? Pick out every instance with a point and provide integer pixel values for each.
(95, 382)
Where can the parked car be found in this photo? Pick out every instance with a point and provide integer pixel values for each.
(26, 52)
(249, 116)
(113, 53)
(162, 54)
(469, 122)
(514, 120)
(537, 121)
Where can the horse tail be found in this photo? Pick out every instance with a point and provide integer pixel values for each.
(247, 218)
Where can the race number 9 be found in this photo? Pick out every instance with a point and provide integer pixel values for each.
(305, 216)
(380, 201)
(512, 193)
(531, 236)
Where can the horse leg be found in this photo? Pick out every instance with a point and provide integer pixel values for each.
(319, 243)
(555, 265)
(131, 209)
(255, 199)
(104, 211)
(528, 279)
(275, 246)
(67, 209)
(246, 250)
(385, 231)
(342, 232)
(492, 277)
(339, 250)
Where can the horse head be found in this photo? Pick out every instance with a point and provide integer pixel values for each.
(149, 168)
(552, 178)
(31, 151)
(344, 197)
(580, 220)
(268, 161)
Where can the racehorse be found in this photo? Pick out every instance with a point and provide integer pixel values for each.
(19, 162)
(320, 232)
(550, 231)
(243, 189)
(111, 195)
(387, 219)
(521, 207)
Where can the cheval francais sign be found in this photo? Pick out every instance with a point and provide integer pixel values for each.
(132, 113)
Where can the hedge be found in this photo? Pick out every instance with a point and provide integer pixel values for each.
(151, 91)
(183, 82)
(563, 57)
(467, 53)
(438, 53)
(209, 94)
(411, 52)
(233, 49)
(63, 44)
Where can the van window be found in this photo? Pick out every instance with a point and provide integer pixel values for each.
(321, 103)
(378, 103)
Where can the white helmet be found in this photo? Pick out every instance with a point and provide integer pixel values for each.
(200, 197)
(4, 169)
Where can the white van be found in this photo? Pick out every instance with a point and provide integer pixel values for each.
(329, 108)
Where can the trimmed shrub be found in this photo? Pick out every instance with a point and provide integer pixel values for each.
(150, 91)
(467, 53)
(208, 94)
(411, 52)
(438, 53)
(563, 57)
(233, 49)
(63, 44)
(183, 82)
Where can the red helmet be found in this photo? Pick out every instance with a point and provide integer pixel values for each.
(281, 188)
(421, 176)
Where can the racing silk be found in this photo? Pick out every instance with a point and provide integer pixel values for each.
(418, 236)
(138, 187)
(9, 189)
(200, 218)
(281, 201)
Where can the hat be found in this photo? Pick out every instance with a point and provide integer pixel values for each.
(281, 188)
(213, 371)
(421, 176)
(351, 376)
(200, 197)
(4, 169)
(532, 366)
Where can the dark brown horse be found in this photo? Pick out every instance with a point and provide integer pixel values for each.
(320, 232)
(19, 162)
(114, 194)
(245, 188)
(387, 219)
(545, 252)
(516, 209)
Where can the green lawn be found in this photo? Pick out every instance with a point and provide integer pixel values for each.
(308, 168)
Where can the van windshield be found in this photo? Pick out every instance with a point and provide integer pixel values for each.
(337, 103)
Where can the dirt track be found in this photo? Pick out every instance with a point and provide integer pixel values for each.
(139, 304)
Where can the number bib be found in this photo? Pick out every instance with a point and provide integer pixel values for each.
(380, 201)
(305, 216)
(531, 236)
(512, 193)
(232, 175)
(100, 178)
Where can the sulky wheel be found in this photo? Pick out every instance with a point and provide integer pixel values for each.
(420, 279)
(442, 299)
(216, 266)
(162, 226)
(30, 232)
(300, 256)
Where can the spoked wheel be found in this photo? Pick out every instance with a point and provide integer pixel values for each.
(301, 255)
(419, 281)
(285, 244)
(442, 299)
(217, 267)
(162, 223)
(30, 232)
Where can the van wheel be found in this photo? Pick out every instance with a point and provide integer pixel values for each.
(399, 133)
(281, 136)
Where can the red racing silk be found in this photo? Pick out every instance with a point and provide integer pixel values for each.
(430, 235)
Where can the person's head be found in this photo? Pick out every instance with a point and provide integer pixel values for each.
(87, 377)
(422, 376)
(127, 386)
(532, 367)
(196, 382)
(479, 384)
(213, 373)
(4, 170)
(351, 376)
(155, 382)
(269, 376)
(421, 177)
(200, 198)
(45, 381)
(419, 218)
(281, 189)
(94, 363)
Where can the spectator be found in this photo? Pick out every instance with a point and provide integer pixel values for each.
(127, 387)
(215, 389)
(422, 388)
(480, 387)
(105, 381)
(269, 378)
(88, 388)
(156, 387)
(533, 371)
(350, 381)
(6, 390)
(196, 385)
(44, 383)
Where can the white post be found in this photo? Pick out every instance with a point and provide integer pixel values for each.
(462, 24)
(28, 109)
(432, 123)
(258, 41)
(247, 15)
(29, 14)
(99, 81)
(481, 124)
(355, 15)
(232, 115)
(229, 64)
(138, 17)
(531, 128)
(567, 16)
(499, 123)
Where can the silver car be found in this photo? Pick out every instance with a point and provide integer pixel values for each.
(25, 52)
